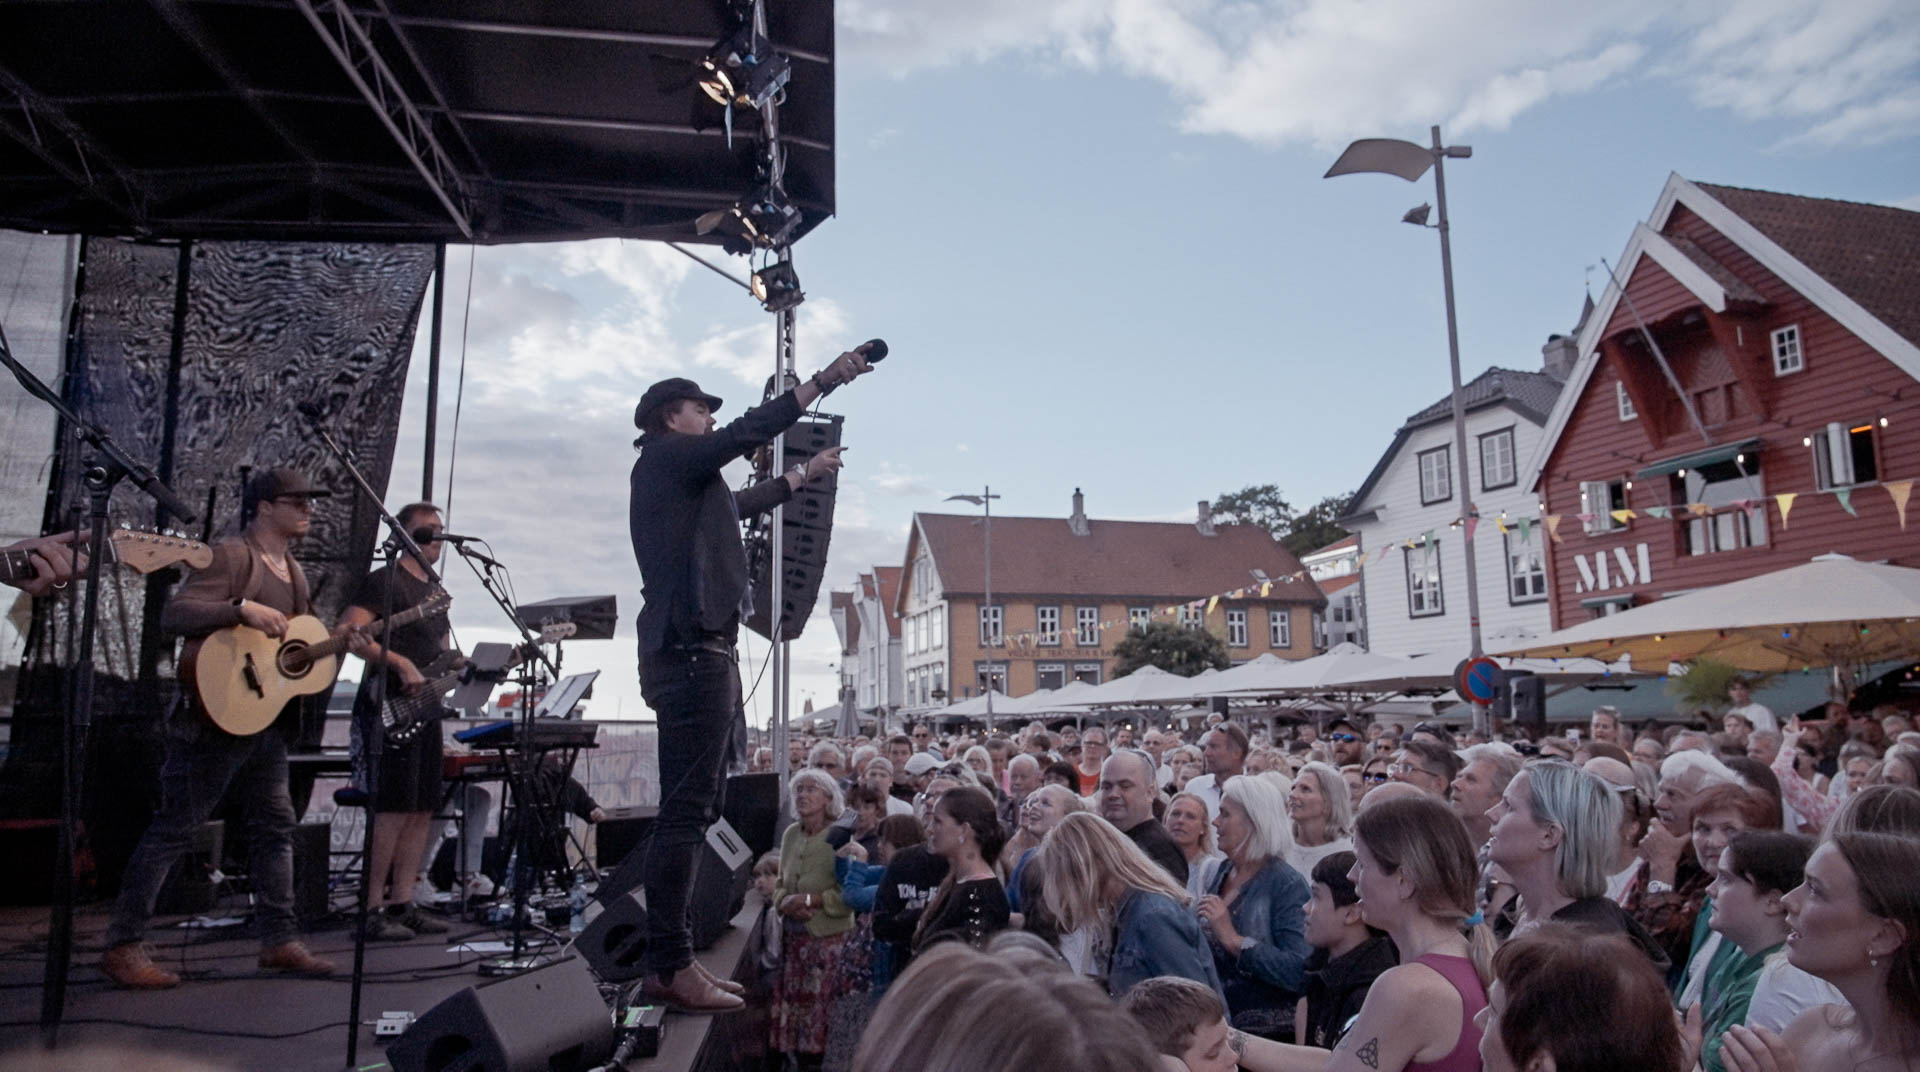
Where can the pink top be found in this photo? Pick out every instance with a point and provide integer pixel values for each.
(1813, 806)
(1459, 973)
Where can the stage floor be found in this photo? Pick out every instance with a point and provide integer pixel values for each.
(230, 1013)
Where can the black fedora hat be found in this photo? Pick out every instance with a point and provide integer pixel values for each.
(672, 389)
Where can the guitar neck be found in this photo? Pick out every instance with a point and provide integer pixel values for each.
(338, 644)
(16, 567)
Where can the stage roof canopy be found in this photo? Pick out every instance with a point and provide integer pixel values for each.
(487, 121)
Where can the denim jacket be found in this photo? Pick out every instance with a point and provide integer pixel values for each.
(1270, 974)
(1157, 935)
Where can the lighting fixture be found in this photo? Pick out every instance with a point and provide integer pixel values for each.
(744, 69)
(777, 286)
(1883, 422)
(1417, 215)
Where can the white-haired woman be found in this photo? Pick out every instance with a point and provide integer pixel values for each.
(1255, 909)
(815, 918)
(1322, 811)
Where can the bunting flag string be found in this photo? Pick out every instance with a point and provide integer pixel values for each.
(1784, 501)
(1845, 495)
(1900, 490)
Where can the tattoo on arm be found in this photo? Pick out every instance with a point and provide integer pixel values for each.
(1370, 1053)
(1237, 1042)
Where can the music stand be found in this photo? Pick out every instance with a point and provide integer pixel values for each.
(561, 700)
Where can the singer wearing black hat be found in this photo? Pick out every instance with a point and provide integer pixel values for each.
(694, 589)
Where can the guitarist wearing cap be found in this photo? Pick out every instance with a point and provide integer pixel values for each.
(252, 581)
(685, 523)
(407, 783)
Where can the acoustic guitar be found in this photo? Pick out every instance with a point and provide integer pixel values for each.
(404, 715)
(137, 550)
(244, 677)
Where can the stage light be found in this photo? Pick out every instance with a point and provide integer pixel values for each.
(777, 286)
(769, 220)
(1417, 215)
(744, 69)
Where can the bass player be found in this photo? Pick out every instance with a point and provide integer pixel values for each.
(253, 581)
(407, 776)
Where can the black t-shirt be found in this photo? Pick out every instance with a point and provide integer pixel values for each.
(420, 641)
(906, 887)
(1154, 840)
(1337, 987)
(972, 912)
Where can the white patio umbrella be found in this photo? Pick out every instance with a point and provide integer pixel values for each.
(1434, 670)
(1235, 678)
(1318, 674)
(1145, 687)
(974, 707)
(1068, 698)
(1832, 611)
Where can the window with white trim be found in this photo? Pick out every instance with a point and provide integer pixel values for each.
(1730, 525)
(1280, 629)
(1087, 672)
(1190, 616)
(1784, 344)
(1526, 567)
(1436, 476)
(1049, 627)
(1497, 469)
(1843, 455)
(991, 676)
(992, 633)
(1050, 675)
(1623, 401)
(937, 635)
(1598, 500)
(1139, 617)
(1086, 626)
(1236, 628)
(938, 676)
(1423, 581)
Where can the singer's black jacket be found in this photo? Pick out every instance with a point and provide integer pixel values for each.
(685, 523)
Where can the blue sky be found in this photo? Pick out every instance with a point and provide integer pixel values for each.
(1096, 237)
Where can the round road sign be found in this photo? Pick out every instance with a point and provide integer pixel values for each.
(1478, 679)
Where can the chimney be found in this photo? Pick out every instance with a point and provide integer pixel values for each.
(1077, 524)
(1559, 355)
(1205, 522)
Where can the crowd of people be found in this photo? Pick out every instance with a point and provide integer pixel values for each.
(1344, 897)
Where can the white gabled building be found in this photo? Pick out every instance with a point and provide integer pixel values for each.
(1415, 597)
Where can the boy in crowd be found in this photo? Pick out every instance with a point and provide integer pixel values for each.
(1186, 1020)
(1347, 956)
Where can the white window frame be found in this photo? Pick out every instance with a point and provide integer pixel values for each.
(1506, 477)
(1192, 617)
(1528, 585)
(1623, 402)
(1431, 476)
(1280, 629)
(1086, 627)
(1789, 356)
(937, 636)
(1139, 617)
(1236, 627)
(1097, 670)
(1426, 595)
(1047, 625)
(1596, 500)
(1040, 670)
(1833, 455)
(993, 631)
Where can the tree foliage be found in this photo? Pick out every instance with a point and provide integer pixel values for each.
(1263, 505)
(1173, 648)
(1704, 686)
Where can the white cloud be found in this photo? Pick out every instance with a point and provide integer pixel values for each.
(1324, 71)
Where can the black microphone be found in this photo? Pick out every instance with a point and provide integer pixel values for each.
(424, 535)
(875, 350)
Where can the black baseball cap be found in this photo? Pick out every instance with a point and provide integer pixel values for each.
(672, 389)
(283, 484)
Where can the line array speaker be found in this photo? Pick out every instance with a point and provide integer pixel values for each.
(805, 531)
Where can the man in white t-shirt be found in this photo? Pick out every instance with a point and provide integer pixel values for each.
(1759, 716)
(1224, 749)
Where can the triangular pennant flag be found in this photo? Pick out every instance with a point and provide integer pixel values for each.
(1622, 516)
(1900, 489)
(1784, 501)
(1428, 539)
(1553, 527)
(1699, 509)
(1845, 495)
(1267, 586)
(1526, 530)
(1472, 523)
(1584, 518)
(1501, 524)
(1658, 513)
(1212, 602)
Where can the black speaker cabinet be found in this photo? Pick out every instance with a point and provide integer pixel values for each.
(724, 871)
(616, 939)
(805, 533)
(752, 805)
(616, 836)
(311, 859)
(551, 1019)
(190, 888)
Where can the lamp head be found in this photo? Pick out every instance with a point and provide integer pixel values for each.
(1417, 215)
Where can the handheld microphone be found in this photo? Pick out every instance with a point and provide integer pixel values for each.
(875, 350)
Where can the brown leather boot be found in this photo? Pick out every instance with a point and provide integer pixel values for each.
(689, 991)
(727, 985)
(129, 966)
(294, 958)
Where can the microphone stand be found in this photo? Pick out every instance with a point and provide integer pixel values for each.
(110, 465)
(521, 769)
(398, 542)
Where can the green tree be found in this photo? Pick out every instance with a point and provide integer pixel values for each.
(1704, 686)
(1319, 526)
(1255, 504)
(1173, 648)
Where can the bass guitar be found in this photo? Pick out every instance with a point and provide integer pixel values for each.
(244, 677)
(140, 551)
(404, 715)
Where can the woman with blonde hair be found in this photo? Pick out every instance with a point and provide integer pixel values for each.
(1255, 909)
(1096, 877)
(816, 918)
(1187, 825)
(1321, 807)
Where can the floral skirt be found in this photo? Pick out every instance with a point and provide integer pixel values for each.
(812, 977)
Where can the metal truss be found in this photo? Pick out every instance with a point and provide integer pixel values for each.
(45, 131)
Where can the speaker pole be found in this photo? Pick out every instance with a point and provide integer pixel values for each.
(783, 371)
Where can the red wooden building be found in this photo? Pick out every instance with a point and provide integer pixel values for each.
(1750, 401)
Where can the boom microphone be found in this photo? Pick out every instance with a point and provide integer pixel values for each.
(424, 535)
(875, 350)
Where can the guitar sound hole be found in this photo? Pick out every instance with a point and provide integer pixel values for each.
(293, 660)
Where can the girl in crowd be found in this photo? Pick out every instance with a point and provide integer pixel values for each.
(1041, 812)
(1377, 772)
(1095, 877)
(1568, 999)
(1254, 910)
(1854, 922)
(1322, 813)
(1185, 764)
(816, 919)
(970, 905)
(1187, 825)
(1750, 981)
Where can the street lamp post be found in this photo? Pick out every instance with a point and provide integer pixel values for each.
(985, 501)
(1391, 156)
